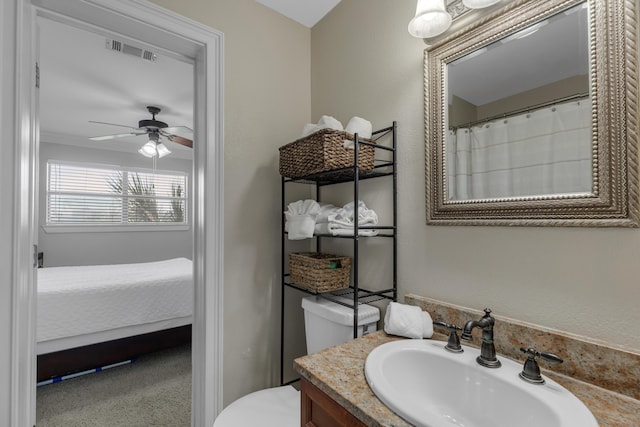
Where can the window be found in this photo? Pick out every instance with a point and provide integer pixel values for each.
(103, 195)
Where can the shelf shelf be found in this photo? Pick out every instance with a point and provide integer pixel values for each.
(339, 176)
(366, 227)
(385, 165)
(364, 296)
(331, 236)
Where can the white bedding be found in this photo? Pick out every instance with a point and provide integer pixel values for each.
(84, 300)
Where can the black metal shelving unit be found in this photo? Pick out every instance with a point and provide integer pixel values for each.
(386, 167)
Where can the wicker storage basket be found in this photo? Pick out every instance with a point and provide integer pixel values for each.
(318, 272)
(323, 151)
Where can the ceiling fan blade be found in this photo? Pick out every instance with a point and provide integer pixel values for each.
(119, 135)
(113, 124)
(180, 140)
(181, 130)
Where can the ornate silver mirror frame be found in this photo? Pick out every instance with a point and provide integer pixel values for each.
(613, 75)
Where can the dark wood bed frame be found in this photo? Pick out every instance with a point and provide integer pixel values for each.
(80, 359)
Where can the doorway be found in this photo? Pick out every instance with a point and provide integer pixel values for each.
(148, 23)
(96, 83)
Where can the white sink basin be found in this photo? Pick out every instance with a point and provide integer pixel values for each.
(431, 387)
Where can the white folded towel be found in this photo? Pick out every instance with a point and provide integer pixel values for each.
(340, 221)
(301, 219)
(325, 210)
(306, 217)
(328, 122)
(407, 321)
(358, 125)
(328, 228)
(345, 217)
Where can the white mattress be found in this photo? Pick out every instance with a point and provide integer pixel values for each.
(83, 300)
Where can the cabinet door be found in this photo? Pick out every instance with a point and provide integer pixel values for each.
(319, 410)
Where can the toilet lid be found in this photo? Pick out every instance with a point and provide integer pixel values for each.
(272, 407)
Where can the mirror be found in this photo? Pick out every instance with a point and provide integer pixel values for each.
(531, 117)
(519, 113)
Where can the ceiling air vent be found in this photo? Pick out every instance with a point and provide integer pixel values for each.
(128, 49)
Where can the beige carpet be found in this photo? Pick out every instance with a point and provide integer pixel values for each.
(153, 391)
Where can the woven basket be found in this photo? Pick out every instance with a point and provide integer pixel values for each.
(323, 151)
(317, 272)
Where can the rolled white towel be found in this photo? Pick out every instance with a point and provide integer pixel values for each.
(300, 227)
(328, 122)
(358, 125)
(308, 129)
(301, 219)
(427, 325)
(303, 207)
(407, 321)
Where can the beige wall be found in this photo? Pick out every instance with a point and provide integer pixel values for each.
(267, 101)
(360, 60)
(579, 280)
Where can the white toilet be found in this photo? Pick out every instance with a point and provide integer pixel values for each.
(326, 324)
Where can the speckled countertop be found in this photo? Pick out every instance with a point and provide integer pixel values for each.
(339, 372)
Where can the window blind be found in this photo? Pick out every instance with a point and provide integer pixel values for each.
(84, 194)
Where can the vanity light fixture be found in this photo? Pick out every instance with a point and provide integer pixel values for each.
(479, 4)
(432, 19)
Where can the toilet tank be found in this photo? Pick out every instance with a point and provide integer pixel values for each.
(327, 323)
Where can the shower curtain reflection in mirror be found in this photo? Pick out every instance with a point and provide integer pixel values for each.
(541, 152)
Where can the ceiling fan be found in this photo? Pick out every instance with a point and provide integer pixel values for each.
(155, 130)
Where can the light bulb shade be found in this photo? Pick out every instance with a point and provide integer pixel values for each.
(148, 149)
(162, 150)
(432, 19)
(479, 4)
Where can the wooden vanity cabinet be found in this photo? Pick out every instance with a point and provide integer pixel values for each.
(319, 410)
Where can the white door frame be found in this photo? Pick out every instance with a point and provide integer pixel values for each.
(141, 20)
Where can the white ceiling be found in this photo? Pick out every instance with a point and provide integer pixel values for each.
(306, 12)
(81, 80)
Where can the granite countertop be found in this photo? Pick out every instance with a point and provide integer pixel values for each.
(339, 372)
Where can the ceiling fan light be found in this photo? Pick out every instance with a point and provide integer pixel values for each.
(148, 149)
(162, 150)
(432, 19)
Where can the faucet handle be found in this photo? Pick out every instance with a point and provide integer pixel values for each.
(531, 370)
(453, 344)
(446, 325)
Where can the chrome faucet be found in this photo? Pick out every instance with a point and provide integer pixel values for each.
(487, 356)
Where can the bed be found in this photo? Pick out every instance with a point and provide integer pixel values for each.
(91, 316)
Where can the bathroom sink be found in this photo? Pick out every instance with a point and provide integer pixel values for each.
(431, 387)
